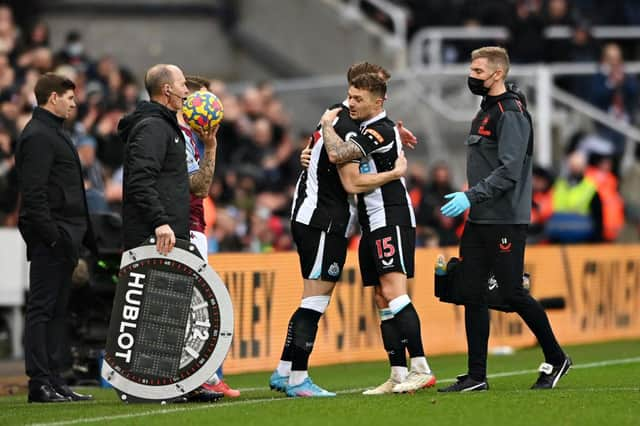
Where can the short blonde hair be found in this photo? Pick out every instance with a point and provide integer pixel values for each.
(497, 57)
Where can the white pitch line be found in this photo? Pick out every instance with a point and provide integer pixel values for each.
(505, 374)
(342, 392)
(154, 412)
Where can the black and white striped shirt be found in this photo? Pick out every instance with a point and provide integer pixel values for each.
(320, 200)
(379, 141)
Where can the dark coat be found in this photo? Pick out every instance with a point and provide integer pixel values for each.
(156, 183)
(499, 161)
(53, 207)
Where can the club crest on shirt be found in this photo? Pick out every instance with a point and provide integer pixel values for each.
(334, 269)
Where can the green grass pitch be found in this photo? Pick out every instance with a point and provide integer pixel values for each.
(602, 389)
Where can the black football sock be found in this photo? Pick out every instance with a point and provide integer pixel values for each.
(305, 327)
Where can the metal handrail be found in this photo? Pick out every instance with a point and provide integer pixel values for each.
(596, 114)
(543, 108)
(398, 15)
(434, 36)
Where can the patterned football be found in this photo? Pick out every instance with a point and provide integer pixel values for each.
(202, 110)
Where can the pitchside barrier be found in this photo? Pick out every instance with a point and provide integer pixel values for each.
(599, 284)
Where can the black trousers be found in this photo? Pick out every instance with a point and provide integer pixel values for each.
(498, 249)
(49, 288)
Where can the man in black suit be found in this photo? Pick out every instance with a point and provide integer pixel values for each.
(54, 223)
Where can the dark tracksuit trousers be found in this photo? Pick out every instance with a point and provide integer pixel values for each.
(487, 248)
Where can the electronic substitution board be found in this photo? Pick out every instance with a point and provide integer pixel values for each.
(171, 324)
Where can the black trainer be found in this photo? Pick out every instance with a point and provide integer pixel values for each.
(550, 374)
(465, 383)
(201, 394)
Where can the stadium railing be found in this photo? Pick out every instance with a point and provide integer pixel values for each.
(542, 78)
(440, 91)
(425, 47)
(397, 14)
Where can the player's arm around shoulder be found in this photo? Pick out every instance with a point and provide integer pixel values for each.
(355, 182)
(338, 150)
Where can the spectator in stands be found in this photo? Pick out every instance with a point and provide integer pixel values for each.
(577, 208)
(227, 231)
(8, 181)
(428, 214)
(261, 237)
(38, 35)
(92, 174)
(432, 13)
(558, 13)
(113, 190)
(600, 171)
(611, 12)
(416, 180)
(110, 145)
(73, 52)
(614, 91)
(527, 42)
(253, 103)
(582, 47)
(542, 204)
(7, 73)
(631, 12)
(8, 31)
(631, 196)
(490, 12)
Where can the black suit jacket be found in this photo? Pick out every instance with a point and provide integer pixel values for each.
(53, 207)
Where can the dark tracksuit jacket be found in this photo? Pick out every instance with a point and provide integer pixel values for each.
(156, 183)
(499, 162)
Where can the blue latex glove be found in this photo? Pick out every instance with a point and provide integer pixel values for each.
(458, 204)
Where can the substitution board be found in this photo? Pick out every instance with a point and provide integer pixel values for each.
(171, 325)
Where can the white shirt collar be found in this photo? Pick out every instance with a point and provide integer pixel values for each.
(380, 116)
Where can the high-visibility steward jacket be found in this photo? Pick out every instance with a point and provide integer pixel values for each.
(543, 210)
(612, 202)
(571, 220)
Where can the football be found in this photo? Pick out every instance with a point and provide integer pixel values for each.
(202, 110)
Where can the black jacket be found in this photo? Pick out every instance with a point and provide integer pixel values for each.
(156, 183)
(53, 207)
(499, 161)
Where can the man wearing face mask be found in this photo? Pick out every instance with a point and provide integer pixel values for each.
(156, 183)
(499, 172)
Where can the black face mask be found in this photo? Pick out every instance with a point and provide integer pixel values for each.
(477, 86)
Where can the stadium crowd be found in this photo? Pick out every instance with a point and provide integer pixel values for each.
(258, 156)
(527, 19)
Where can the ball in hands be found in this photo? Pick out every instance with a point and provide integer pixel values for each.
(202, 110)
